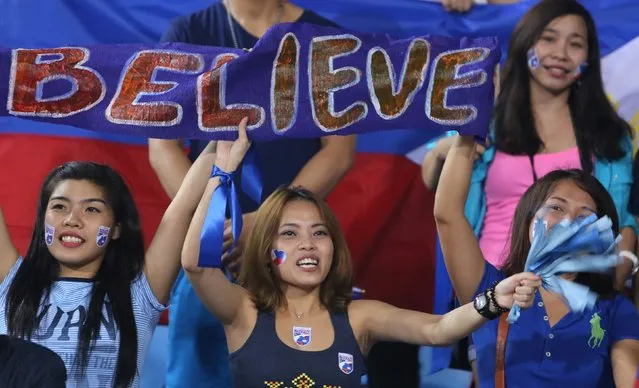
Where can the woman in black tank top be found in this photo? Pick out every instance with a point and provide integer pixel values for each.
(290, 320)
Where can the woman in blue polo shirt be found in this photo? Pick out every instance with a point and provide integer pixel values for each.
(549, 345)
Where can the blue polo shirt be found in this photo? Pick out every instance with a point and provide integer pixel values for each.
(573, 353)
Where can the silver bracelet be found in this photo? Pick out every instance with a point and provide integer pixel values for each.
(633, 258)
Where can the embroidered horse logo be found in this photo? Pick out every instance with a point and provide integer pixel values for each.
(596, 332)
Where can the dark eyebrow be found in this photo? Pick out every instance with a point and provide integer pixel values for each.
(65, 199)
(560, 199)
(290, 224)
(575, 34)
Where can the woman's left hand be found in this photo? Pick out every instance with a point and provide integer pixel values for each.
(518, 289)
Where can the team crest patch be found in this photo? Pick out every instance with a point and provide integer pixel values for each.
(345, 362)
(302, 335)
(103, 235)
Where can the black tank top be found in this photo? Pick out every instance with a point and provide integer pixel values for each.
(265, 361)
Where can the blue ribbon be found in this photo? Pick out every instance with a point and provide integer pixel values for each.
(583, 245)
(226, 196)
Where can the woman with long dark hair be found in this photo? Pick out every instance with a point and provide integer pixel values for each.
(290, 321)
(549, 345)
(551, 113)
(85, 288)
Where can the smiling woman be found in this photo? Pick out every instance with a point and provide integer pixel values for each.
(79, 251)
(293, 299)
(85, 288)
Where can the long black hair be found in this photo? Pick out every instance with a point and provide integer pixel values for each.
(598, 127)
(123, 262)
(534, 198)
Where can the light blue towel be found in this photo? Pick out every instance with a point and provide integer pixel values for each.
(583, 245)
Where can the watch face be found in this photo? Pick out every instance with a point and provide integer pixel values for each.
(480, 302)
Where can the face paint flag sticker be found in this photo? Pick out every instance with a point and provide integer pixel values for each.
(345, 362)
(533, 59)
(49, 232)
(302, 335)
(278, 257)
(103, 234)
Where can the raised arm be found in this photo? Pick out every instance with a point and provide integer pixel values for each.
(464, 260)
(383, 322)
(221, 297)
(170, 163)
(8, 252)
(434, 161)
(162, 262)
(324, 170)
(435, 158)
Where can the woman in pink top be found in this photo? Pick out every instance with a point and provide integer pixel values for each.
(509, 176)
(551, 113)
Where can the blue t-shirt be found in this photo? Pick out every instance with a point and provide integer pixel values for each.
(63, 313)
(280, 160)
(575, 352)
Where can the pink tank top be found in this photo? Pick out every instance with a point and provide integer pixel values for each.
(509, 176)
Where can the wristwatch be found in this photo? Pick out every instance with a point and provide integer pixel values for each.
(486, 305)
(482, 305)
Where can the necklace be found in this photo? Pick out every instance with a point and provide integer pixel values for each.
(229, 18)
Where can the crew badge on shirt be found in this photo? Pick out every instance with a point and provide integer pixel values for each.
(344, 363)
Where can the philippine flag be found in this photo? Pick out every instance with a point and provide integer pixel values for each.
(278, 256)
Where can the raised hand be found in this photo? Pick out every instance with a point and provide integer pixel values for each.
(229, 154)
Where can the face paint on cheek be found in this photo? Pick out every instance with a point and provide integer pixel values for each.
(278, 256)
(103, 236)
(580, 70)
(533, 59)
(49, 234)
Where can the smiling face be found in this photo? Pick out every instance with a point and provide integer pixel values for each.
(560, 50)
(305, 241)
(566, 201)
(78, 212)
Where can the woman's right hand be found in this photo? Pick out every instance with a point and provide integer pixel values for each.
(229, 154)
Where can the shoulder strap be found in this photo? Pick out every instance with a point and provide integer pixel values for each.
(502, 336)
